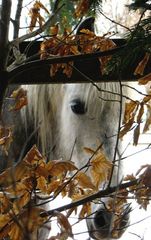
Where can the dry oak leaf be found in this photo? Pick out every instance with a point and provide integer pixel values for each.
(100, 168)
(126, 128)
(34, 157)
(144, 80)
(60, 167)
(35, 15)
(141, 66)
(4, 219)
(20, 96)
(82, 8)
(27, 222)
(145, 177)
(148, 119)
(14, 174)
(5, 203)
(64, 223)
(130, 109)
(84, 181)
(6, 138)
(85, 211)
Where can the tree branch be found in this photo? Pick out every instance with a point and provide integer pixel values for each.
(100, 194)
(16, 22)
(4, 29)
(39, 30)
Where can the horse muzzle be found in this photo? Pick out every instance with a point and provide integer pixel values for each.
(107, 225)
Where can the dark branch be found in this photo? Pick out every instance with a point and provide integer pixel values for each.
(16, 22)
(100, 194)
(39, 30)
(4, 29)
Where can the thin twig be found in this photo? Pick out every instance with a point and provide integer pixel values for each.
(39, 30)
(16, 22)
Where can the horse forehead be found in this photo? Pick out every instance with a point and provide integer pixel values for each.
(82, 91)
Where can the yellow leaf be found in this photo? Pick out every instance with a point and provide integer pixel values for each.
(53, 186)
(15, 233)
(21, 202)
(4, 219)
(5, 203)
(100, 168)
(13, 174)
(84, 180)
(60, 167)
(42, 184)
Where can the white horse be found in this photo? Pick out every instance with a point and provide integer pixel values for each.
(70, 117)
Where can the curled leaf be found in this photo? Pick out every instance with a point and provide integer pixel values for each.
(84, 181)
(20, 96)
(100, 168)
(141, 66)
(144, 80)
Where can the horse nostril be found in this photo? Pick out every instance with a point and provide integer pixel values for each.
(102, 219)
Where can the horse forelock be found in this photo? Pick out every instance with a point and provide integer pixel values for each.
(43, 103)
(46, 101)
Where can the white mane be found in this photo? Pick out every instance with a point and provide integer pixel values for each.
(46, 103)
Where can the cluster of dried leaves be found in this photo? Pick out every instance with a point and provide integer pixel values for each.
(135, 110)
(133, 117)
(33, 180)
(23, 185)
(67, 44)
(35, 15)
(142, 189)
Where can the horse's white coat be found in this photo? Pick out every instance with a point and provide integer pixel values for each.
(64, 134)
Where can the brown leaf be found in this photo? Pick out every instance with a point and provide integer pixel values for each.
(42, 184)
(36, 16)
(148, 119)
(84, 181)
(146, 176)
(60, 167)
(54, 29)
(6, 138)
(22, 201)
(34, 156)
(136, 135)
(144, 80)
(130, 109)
(4, 219)
(13, 174)
(141, 66)
(126, 127)
(20, 96)
(140, 113)
(64, 223)
(85, 211)
(100, 168)
(82, 8)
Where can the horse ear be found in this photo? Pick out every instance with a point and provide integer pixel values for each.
(87, 23)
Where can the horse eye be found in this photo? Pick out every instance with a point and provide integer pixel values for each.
(78, 106)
